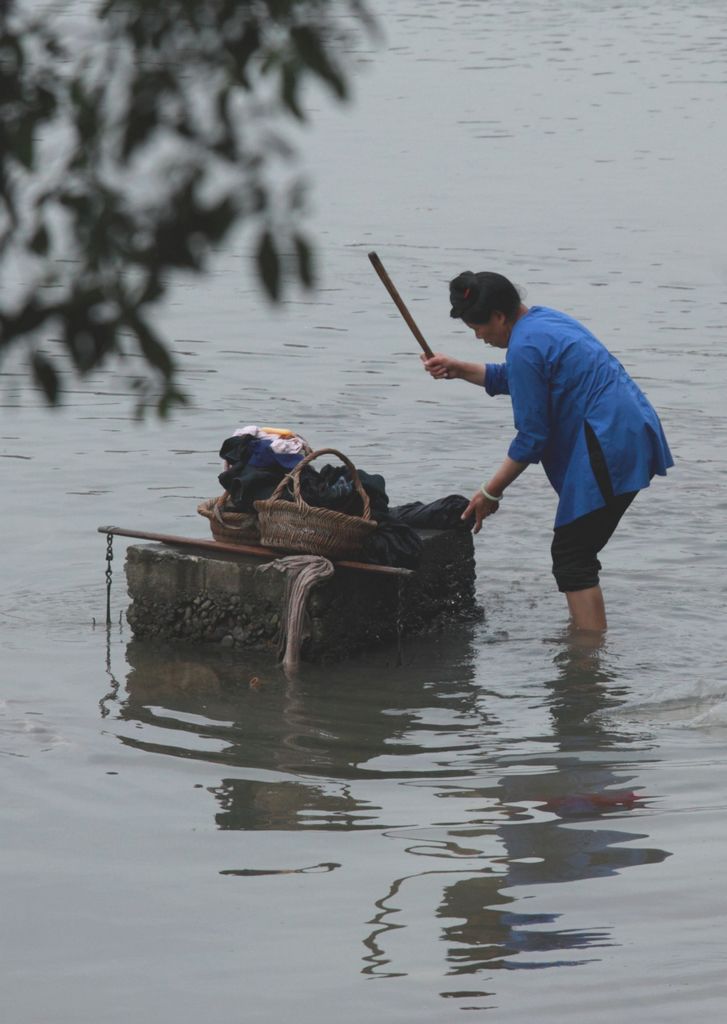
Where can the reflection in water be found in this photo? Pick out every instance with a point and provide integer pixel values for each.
(533, 850)
(252, 873)
(109, 698)
(302, 755)
(253, 805)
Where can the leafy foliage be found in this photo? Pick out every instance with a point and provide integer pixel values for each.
(131, 145)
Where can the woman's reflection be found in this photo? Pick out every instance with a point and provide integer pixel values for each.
(531, 838)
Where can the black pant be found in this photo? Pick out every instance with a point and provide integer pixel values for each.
(576, 545)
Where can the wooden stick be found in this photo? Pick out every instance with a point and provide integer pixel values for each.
(256, 551)
(389, 285)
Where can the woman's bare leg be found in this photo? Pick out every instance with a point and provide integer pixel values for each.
(587, 608)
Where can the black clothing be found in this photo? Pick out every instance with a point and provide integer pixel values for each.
(395, 541)
(576, 544)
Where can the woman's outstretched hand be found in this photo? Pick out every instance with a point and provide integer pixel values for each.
(441, 367)
(480, 507)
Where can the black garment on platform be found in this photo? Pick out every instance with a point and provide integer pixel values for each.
(397, 542)
(237, 449)
(249, 484)
(332, 487)
(442, 514)
(393, 543)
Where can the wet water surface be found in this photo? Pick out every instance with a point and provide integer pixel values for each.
(508, 824)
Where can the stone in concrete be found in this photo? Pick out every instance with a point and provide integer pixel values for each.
(238, 601)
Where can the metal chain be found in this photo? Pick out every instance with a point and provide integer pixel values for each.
(109, 560)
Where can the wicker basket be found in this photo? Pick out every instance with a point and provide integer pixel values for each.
(300, 527)
(231, 527)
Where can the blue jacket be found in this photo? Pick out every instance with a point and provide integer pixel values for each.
(559, 377)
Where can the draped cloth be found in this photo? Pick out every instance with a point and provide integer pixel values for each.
(303, 574)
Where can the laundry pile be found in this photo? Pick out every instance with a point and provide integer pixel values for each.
(257, 458)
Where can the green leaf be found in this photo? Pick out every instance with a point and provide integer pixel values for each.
(46, 101)
(40, 240)
(46, 377)
(243, 49)
(170, 398)
(313, 54)
(24, 147)
(138, 128)
(268, 264)
(155, 353)
(289, 91)
(306, 269)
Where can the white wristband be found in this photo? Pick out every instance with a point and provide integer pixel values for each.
(490, 497)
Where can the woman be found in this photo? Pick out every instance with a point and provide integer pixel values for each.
(576, 410)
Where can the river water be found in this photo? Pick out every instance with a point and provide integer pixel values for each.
(508, 826)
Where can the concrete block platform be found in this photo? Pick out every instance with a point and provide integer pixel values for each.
(238, 601)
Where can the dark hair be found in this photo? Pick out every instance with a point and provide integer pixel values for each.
(475, 297)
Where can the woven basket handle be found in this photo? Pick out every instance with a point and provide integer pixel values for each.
(294, 478)
(218, 506)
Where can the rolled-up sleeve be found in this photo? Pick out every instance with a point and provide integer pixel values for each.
(528, 379)
(496, 382)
